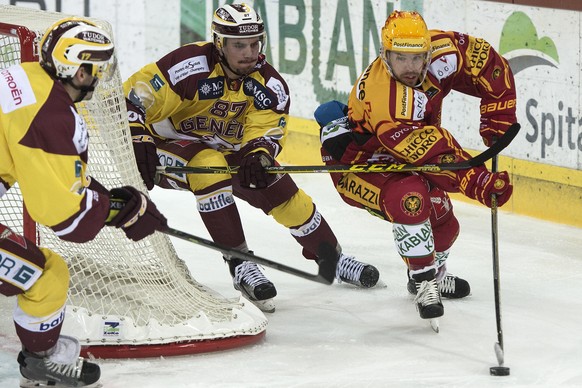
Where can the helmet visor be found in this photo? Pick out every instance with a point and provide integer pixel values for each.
(106, 71)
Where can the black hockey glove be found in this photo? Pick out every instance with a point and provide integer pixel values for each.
(252, 171)
(134, 213)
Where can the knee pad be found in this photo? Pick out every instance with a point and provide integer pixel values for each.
(445, 225)
(406, 201)
(294, 212)
(49, 293)
(206, 157)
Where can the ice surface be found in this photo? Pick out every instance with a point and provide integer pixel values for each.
(340, 336)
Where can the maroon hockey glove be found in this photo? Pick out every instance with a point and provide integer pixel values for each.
(133, 212)
(252, 171)
(494, 127)
(479, 183)
(146, 156)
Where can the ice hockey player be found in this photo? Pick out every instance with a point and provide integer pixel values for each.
(393, 116)
(221, 103)
(44, 143)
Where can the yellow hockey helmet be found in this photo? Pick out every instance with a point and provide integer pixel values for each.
(405, 31)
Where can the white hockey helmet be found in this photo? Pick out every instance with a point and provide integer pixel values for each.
(237, 21)
(73, 42)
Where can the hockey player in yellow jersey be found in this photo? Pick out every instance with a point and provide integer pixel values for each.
(43, 148)
(394, 116)
(221, 103)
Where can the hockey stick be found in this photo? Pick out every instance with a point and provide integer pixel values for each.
(478, 160)
(327, 257)
(499, 370)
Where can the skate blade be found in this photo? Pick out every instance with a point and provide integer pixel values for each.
(434, 324)
(380, 284)
(27, 383)
(266, 306)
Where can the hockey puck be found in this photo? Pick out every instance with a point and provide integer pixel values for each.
(499, 371)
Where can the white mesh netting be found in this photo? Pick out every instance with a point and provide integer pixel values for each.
(121, 292)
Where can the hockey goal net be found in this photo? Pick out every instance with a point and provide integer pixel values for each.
(126, 299)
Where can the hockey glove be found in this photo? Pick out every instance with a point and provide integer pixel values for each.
(335, 133)
(252, 171)
(479, 183)
(146, 156)
(134, 213)
(494, 127)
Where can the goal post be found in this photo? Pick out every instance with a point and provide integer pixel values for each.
(126, 299)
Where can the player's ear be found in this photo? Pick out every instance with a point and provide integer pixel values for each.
(82, 74)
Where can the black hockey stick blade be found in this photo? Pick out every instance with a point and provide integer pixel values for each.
(478, 160)
(323, 276)
(497, 147)
(327, 258)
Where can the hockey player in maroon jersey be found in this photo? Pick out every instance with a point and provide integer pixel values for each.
(44, 148)
(394, 115)
(221, 103)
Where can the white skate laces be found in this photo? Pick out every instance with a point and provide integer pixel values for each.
(250, 281)
(427, 293)
(72, 370)
(348, 269)
(447, 285)
(249, 273)
(352, 271)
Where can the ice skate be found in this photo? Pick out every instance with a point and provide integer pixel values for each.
(61, 366)
(428, 299)
(252, 283)
(453, 287)
(450, 287)
(351, 271)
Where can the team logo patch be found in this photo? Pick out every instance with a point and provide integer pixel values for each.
(499, 184)
(496, 73)
(412, 204)
(447, 158)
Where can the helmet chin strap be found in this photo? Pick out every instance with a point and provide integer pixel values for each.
(225, 63)
(388, 67)
(83, 90)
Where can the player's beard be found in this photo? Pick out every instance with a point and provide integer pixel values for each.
(409, 79)
(242, 68)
